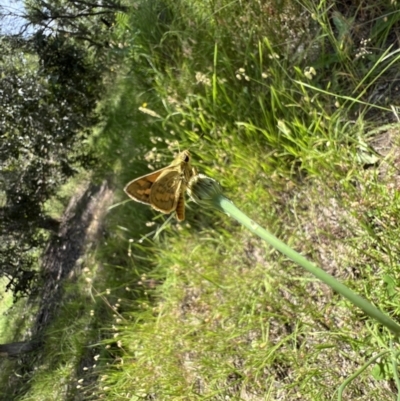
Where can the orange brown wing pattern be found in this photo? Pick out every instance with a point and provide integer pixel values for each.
(180, 207)
(140, 188)
(165, 191)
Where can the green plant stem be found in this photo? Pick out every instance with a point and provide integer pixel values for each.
(225, 205)
(395, 354)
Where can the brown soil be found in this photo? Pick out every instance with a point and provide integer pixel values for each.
(80, 228)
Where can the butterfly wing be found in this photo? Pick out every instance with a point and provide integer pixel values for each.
(166, 190)
(140, 188)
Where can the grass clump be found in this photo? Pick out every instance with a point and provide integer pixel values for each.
(287, 126)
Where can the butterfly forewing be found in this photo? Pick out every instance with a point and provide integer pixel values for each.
(140, 188)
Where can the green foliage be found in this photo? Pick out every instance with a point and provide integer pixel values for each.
(50, 87)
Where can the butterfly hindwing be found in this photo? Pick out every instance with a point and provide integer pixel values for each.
(180, 207)
(165, 191)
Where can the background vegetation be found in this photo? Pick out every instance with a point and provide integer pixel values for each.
(292, 107)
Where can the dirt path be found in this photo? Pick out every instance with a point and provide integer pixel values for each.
(81, 225)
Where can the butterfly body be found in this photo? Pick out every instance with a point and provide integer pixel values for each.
(164, 189)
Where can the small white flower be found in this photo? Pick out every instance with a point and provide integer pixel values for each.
(309, 72)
